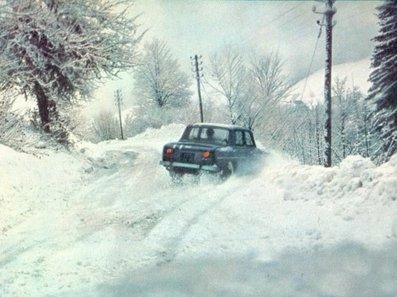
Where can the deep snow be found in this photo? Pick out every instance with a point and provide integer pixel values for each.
(105, 220)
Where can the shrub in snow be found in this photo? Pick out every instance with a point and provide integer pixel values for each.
(105, 126)
(152, 116)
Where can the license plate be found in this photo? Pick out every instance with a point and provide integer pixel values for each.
(187, 158)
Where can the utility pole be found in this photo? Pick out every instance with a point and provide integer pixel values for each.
(197, 70)
(117, 96)
(328, 15)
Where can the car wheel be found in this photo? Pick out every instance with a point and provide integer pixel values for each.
(227, 170)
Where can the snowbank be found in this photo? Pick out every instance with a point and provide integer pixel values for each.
(355, 178)
(105, 220)
(47, 172)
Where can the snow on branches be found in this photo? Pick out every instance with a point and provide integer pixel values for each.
(58, 49)
(383, 93)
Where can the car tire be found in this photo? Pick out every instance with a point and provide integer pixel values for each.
(227, 170)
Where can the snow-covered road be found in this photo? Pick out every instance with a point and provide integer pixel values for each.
(107, 221)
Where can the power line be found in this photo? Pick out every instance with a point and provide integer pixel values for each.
(211, 85)
(312, 59)
(283, 14)
(207, 93)
(290, 20)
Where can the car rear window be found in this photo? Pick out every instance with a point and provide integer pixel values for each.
(210, 135)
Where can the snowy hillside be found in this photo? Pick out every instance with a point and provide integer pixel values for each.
(106, 221)
(356, 73)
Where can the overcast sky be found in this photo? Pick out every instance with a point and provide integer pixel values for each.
(287, 27)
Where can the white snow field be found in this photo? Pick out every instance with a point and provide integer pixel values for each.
(312, 88)
(105, 220)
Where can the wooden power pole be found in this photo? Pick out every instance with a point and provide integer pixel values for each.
(328, 14)
(197, 70)
(118, 99)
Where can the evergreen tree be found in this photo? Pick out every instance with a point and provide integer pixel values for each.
(383, 93)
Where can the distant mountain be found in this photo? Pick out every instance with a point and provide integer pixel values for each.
(357, 74)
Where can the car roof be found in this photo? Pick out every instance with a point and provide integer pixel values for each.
(218, 125)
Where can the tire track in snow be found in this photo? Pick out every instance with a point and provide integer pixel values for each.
(181, 218)
(158, 218)
(138, 195)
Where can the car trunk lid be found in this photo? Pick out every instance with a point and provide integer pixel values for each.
(190, 152)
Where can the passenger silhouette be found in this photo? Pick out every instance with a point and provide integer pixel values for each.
(210, 133)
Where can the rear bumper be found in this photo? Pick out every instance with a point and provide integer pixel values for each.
(178, 165)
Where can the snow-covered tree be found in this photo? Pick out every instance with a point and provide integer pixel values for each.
(341, 115)
(270, 87)
(351, 133)
(162, 90)
(54, 50)
(253, 89)
(383, 93)
(159, 79)
(298, 132)
(229, 74)
(367, 140)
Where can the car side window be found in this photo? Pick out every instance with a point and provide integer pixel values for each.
(239, 138)
(194, 133)
(207, 133)
(248, 139)
(221, 136)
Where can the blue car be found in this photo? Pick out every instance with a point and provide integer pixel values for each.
(211, 148)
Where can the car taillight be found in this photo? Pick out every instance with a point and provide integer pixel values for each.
(168, 151)
(206, 154)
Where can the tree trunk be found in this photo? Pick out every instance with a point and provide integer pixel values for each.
(42, 103)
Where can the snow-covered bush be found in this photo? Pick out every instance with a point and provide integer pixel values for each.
(153, 116)
(105, 126)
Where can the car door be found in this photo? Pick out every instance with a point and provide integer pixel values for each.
(249, 144)
(240, 147)
(245, 145)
